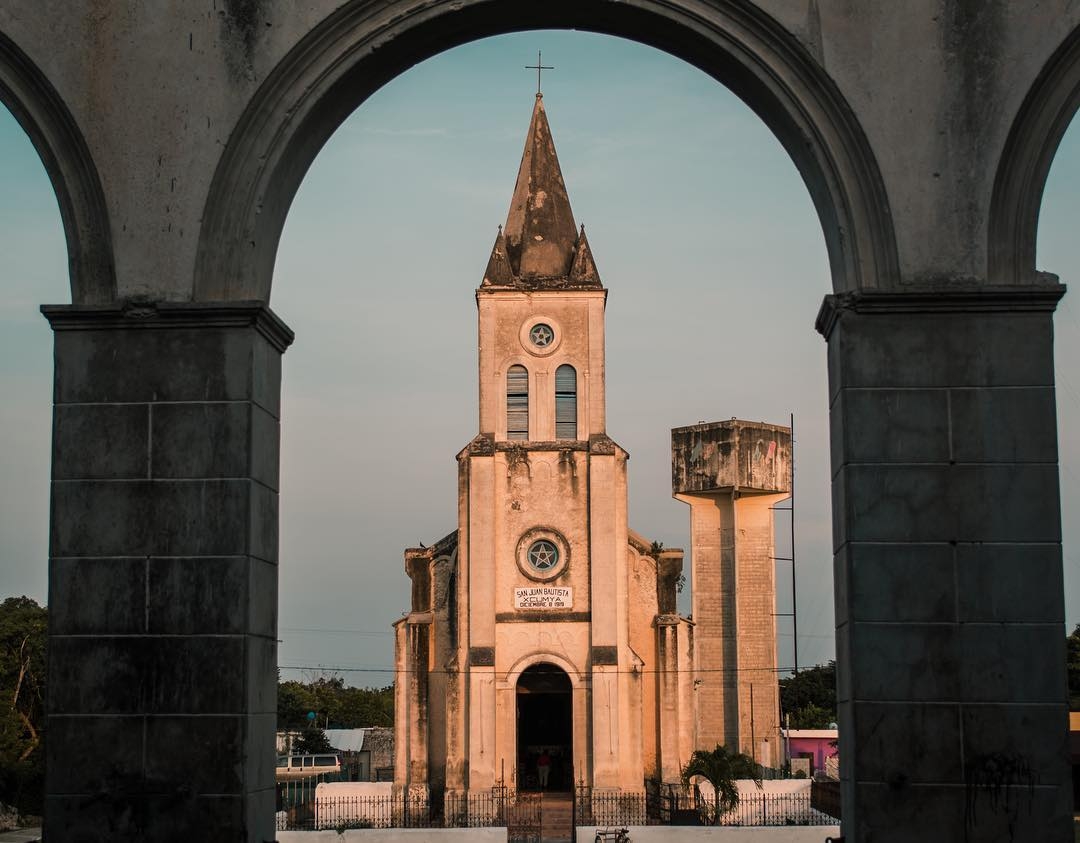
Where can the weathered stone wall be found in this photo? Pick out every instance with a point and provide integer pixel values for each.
(161, 95)
(379, 741)
(949, 604)
(163, 572)
(176, 138)
(736, 455)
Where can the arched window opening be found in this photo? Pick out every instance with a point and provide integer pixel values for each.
(517, 403)
(565, 402)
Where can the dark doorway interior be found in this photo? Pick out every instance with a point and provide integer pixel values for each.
(545, 728)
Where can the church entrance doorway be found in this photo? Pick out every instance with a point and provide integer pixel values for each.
(545, 729)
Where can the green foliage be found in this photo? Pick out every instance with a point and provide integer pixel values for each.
(720, 767)
(335, 705)
(1072, 651)
(811, 716)
(311, 741)
(23, 635)
(809, 697)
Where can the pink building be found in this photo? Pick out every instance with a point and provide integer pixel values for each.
(813, 744)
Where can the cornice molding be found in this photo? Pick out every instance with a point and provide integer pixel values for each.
(151, 315)
(937, 300)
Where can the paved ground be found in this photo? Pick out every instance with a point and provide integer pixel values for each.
(23, 835)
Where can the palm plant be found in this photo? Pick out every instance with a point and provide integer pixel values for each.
(720, 767)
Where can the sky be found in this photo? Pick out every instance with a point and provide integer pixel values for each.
(702, 230)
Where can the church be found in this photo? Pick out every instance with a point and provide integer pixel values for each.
(543, 648)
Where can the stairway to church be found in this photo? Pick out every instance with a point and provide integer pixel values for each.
(558, 818)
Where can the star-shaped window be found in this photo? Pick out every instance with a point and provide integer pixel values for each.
(541, 335)
(543, 555)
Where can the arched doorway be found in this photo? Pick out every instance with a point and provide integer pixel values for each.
(545, 729)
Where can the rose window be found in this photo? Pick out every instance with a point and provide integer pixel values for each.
(541, 335)
(543, 555)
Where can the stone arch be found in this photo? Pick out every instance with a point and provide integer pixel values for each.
(1025, 162)
(525, 662)
(45, 118)
(356, 50)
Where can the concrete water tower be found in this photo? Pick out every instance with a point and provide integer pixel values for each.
(732, 473)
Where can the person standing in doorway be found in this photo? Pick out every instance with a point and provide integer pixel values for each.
(543, 767)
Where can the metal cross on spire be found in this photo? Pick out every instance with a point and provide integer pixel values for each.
(539, 66)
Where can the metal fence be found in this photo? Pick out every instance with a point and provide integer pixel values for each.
(606, 807)
(522, 813)
(501, 807)
(669, 804)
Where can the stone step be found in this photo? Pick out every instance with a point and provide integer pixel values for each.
(558, 818)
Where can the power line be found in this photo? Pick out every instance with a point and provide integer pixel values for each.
(334, 631)
(559, 671)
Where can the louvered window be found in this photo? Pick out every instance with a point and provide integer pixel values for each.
(565, 403)
(517, 403)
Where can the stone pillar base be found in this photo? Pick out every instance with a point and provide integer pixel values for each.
(163, 573)
(949, 600)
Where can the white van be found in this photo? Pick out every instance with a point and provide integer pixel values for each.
(300, 766)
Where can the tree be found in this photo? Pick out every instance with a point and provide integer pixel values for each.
(23, 635)
(720, 768)
(312, 740)
(1072, 653)
(334, 704)
(809, 697)
(294, 701)
(811, 716)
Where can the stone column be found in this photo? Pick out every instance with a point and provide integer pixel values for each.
(716, 686)
(417, 643)
(669, 721)
(163, 573)
(755, 597)
(605, 726)
(604, 582)
(949, 602)
(482, 718)
(402, 724)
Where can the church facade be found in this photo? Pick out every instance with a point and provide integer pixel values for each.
(543, 647)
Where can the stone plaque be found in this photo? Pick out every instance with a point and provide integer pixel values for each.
(543, 597)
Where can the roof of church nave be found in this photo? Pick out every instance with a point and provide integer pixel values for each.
(540, 247)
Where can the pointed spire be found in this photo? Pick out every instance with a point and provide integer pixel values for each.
(498, 272)
(540, 230)
(583, 270)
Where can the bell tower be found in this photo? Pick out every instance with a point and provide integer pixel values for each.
(541, 312)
